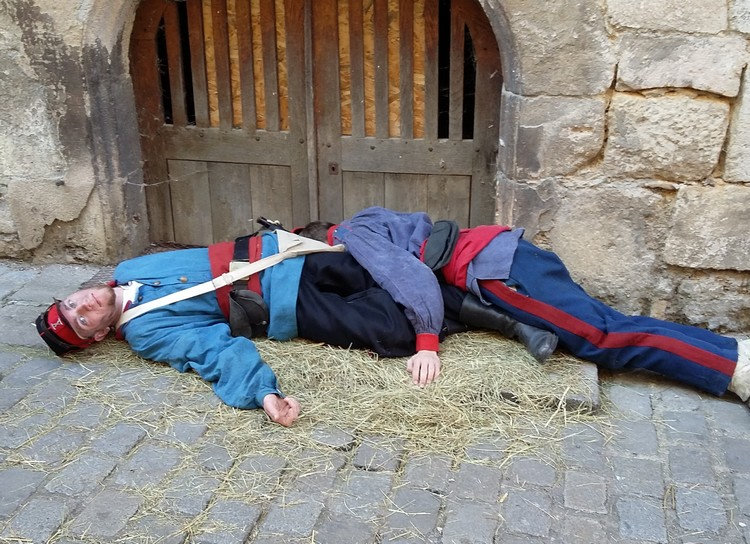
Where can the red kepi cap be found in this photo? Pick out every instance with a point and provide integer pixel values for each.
(57, 332)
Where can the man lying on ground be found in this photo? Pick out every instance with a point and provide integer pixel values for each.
(325, 297)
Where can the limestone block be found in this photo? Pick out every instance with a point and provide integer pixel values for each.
(674, 137)
(739, 15)
(737, 160)
(562, 48)
(602, 234)
(547, 136)
(686, 15)
(717, 301)
(710, 228)
(707, 63)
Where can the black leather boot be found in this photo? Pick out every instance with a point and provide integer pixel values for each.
(538, 342)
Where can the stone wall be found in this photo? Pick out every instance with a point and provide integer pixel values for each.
(625, 147)
(625, 143)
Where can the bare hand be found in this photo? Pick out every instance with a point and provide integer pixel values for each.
(282, 411)
(424, 367)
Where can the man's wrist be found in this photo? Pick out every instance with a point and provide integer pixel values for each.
(428, 341)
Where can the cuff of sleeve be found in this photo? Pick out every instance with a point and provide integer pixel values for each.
(260, 396)
(428, 341)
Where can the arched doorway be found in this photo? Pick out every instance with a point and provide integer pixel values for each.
(295, 109)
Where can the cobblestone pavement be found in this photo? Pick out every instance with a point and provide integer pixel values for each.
(673, 468)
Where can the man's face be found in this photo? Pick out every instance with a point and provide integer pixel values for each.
(90, 311)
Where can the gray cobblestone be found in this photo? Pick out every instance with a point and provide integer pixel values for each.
(729, 418)
(477, 482)
(527, 512)
(430, 472)
(524, 470)
(641, 476)
(686, 426)
(362, 495)
(52, 397)
(580, 530)
(293, 514)
(413, 512)
(17, 321)
(214, 457)
(148, 465)
(37, 521)
(14, 436)
(319, 473)
(636, 437)
(17, 485)
(690, 465)
(678, 399)
(585, 492)
(641, 519)
(343, 529)
(700, 510)
(189, 493)
(82, 476)
(9, 396)
(375, 453)
(736, 454)
(151, 529)
(184, 433)
(258, 473)
(227, 522)
(583, 446)
(85, 415)
(105, 515)
(7, 362)
(489, 450)
(631, 400)
(332, 437)
(118, 440)
(741, 488)
(469, 522)
(31, 372)
(53, 447)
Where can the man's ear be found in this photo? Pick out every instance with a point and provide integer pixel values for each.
(101, 334)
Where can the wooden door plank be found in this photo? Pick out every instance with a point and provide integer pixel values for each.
(231, 200)
(191, 197)
(456, 93)
(245, 58)
(381, 68)
(448, 198)
(294, 14)
(270, 66)
(409, 156)
(431, 12)
(362, 190)
(406, 73)
(221, 56)
(327, 107)
(212, 144)
(406, 192)
(198, 62)
(356, 60)
(174, 61)
(271, 193)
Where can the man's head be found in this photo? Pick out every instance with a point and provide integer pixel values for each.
(79, 320)
(316, 230)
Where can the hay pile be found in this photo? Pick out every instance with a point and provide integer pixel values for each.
(490, 389)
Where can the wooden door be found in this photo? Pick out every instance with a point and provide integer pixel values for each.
(397, 122)
(302, 109)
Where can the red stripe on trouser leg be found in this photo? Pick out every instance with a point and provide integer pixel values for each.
(599, 338)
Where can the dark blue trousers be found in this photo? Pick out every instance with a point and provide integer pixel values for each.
(340, 304)
(540, 292)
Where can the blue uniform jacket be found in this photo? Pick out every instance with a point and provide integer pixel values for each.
(193, 334)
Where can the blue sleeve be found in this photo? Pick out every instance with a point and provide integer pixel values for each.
(232, 365)
(386, 243)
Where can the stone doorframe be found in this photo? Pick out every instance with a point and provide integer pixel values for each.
(530, 73)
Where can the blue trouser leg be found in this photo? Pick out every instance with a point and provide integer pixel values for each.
(541, 292)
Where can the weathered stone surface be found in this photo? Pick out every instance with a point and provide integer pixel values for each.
(707, 63)
(675, 137)
(547, 136)
(710, 228)
(704, 16)
(601, 234)
(717, 301)
(105, 515)
(737, 160)
(566, 34)
(739, 15)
